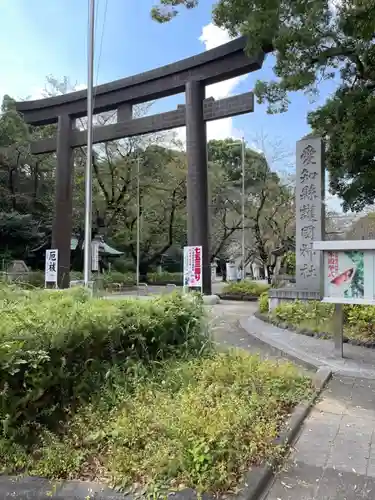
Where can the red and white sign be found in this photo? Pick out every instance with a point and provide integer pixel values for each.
(193, 267)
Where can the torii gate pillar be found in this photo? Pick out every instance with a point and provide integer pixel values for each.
(197, 177)
(62, 225)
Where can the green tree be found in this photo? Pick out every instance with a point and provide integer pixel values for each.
(313, 41)
(162, 205)
(19, 233)
(26, 185)
(269, 202)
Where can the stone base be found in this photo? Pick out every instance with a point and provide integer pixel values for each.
(278, 296)
(210, 300)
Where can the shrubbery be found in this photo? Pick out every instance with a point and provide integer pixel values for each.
(110, 280)
(165, 278)
(359, 321)
(245, 289)
(196, 423)
(131, 391)
(116, 278)
(263, 303)
(55, 347)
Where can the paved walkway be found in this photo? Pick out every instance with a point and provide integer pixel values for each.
(357, 361)
(224, 324)
(334, 457)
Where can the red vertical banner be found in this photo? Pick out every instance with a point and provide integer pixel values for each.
(193, 267)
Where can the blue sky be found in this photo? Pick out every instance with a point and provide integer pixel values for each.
(41, 37)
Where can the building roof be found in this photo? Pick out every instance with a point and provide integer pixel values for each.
(104, 248)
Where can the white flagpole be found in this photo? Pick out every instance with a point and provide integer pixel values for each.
(88, 172)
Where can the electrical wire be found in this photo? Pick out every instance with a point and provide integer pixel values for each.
(100, 46)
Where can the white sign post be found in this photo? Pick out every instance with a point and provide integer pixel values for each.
(52, 257)
(193, 268)
(95, 255)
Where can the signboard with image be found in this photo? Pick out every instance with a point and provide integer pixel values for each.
(345, 274)
(349, 271)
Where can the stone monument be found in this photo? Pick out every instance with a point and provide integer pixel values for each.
(310, 217)
(309, 212)
(17, 270)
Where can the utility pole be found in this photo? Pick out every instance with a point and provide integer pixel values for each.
(243, 205)
(88, 172)
(138, 219)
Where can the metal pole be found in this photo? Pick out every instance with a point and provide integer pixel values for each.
(88, 173)
(138, 221)
(338, 321)
(243, 206)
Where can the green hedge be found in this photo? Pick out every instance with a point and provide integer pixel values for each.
(129, 279)
(245, 288)
(263, 303)
(55, 347)
(165, 278)
(35, 279)
(359, 321)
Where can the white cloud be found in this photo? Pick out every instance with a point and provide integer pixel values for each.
(212, 37)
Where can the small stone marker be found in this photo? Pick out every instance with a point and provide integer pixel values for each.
(309, 212)
(17, 270)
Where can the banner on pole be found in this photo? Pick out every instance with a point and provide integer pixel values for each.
(52, 257)
(193, 267)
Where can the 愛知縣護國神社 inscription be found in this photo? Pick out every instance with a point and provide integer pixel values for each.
(309, 212)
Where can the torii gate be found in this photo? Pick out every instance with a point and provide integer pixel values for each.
(189, 75)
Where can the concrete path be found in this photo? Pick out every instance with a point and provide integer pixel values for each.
(224, 325)
(357, 361)
(334, 457)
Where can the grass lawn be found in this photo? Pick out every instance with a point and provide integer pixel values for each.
(198, 422)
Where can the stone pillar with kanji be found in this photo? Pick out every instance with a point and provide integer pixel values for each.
(310, 212)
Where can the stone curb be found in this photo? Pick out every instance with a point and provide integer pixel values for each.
(311, 333)
(259, 478)
(37, 488)
(237, 298)
(255, 483)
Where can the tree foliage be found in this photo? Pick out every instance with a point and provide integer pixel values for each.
(26, 186)
(269, 202)
(314, 41)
